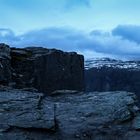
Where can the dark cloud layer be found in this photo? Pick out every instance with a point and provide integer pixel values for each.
(75, 3)
(129, 32)
(122, 42)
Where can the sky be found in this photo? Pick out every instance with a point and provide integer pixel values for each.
(94, 28)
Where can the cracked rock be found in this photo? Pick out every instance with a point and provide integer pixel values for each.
(20, 109)
(30, 115)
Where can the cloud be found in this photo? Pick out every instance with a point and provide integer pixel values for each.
(116, 46)
(44, 4)
(97, 43)
(7, 36)
(75, 3)
(130, 32)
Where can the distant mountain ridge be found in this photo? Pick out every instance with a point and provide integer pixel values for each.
(107, 74)
(108, 62)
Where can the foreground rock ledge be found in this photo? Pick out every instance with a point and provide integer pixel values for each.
(68, 115)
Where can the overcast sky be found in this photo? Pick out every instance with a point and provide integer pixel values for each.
(95, 28)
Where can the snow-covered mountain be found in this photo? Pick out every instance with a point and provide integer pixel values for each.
(107, 62)
(112, 75)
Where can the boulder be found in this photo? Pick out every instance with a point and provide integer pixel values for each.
(5, 66)
(47, 69)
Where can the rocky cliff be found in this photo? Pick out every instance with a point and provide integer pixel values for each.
(46, 70)
(111, 75)
(5, 65)
(41, 98)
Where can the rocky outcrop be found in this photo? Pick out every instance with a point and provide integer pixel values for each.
(28, 115)
(47, 69)
(111, 75)
(5, 66)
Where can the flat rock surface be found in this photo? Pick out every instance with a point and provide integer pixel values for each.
(30, 115)
(22, 110)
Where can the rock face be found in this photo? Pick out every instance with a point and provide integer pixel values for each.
(5, 68)
(111, 75)
(47, 69)
(44, 69)
(109, 115)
